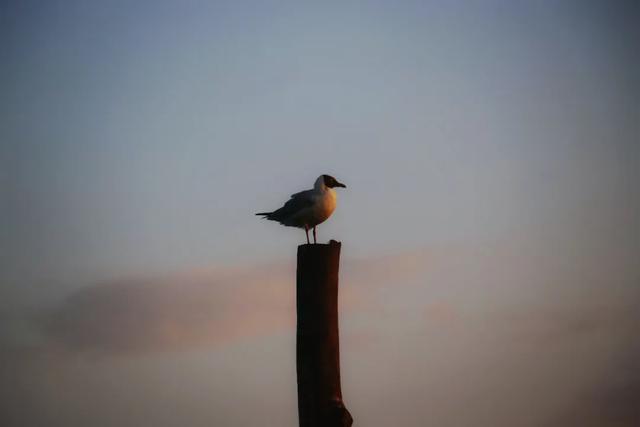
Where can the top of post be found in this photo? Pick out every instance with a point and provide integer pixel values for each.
(331, 243)
(310, 247)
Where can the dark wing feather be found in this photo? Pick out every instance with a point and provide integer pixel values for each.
(297, 202)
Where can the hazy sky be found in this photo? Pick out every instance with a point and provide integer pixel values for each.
(490, 228)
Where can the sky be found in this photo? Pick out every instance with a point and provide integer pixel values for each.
(490, 228)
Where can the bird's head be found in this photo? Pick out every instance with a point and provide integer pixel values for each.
(329, 181)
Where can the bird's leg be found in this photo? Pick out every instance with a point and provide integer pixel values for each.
(314, 235)
(306, 230)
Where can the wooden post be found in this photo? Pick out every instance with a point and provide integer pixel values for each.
(317, 347)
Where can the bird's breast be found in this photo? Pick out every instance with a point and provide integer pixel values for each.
(325, 205)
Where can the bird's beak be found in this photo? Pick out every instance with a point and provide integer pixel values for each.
(339, 184)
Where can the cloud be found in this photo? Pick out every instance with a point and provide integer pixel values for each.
(184, 310)
(425, 289)
(174, 312)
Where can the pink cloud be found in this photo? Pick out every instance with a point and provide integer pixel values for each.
(175, 312)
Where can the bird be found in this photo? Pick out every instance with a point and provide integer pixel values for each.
(308, 208)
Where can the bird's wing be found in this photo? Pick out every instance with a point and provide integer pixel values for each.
(296, 203)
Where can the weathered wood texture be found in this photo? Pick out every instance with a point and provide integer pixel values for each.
(317, 347)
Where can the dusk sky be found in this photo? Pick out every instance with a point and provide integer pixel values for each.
(490, 228)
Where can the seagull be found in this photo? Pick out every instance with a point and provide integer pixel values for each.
(308, 208)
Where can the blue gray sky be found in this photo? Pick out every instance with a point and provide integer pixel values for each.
(491, 152)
